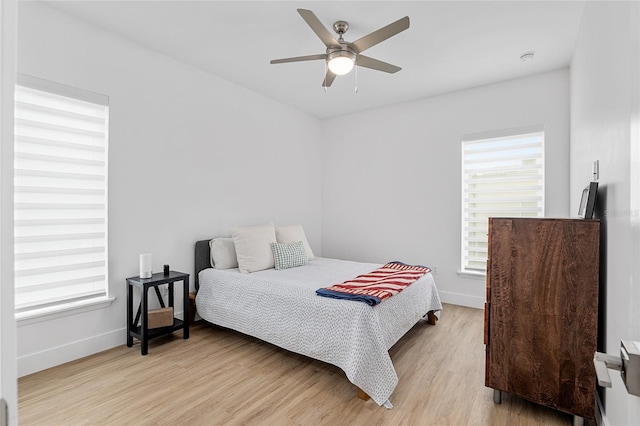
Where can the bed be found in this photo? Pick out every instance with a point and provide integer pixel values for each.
(282, 308)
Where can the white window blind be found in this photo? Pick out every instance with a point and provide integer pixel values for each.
(60, 180)
(502, 176)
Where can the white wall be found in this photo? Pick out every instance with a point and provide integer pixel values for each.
(190, 156)
(605, 118)
(392, 176)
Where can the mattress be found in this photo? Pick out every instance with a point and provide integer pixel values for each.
(282, 308)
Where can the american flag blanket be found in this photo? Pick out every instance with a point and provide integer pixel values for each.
(378, 285)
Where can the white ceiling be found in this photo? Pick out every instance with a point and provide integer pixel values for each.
(450, 45)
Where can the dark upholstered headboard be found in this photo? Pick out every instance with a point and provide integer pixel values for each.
(202, 259)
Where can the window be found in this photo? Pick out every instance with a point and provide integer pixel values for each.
(60, 180)
(502, 176)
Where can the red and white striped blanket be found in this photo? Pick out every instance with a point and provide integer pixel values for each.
(378, 285)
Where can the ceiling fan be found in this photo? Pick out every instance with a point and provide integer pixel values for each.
(341, 55)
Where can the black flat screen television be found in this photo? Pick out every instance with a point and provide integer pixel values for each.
(588, 201)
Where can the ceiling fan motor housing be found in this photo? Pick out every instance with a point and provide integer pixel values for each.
(342, 51)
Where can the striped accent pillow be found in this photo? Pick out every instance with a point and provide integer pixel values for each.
(289, 255)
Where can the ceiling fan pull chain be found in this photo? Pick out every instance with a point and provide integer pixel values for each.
(324, 84)
(356, 66)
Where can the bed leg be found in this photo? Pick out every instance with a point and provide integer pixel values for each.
(432, 318)
(363, 395)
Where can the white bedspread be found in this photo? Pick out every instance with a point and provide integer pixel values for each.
(281, 307)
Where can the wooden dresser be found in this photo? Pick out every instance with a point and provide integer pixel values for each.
(541, 311)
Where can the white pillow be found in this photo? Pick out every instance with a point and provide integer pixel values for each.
(292, 234)
(253, 247)
(223, 253)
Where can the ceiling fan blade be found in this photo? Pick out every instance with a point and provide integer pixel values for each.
(299, 58)
(321, 31)
(374, 64)
(328, 79)
(380, 35)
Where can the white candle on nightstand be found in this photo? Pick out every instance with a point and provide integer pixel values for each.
(145, 265)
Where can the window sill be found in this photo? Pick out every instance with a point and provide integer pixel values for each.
(64, 310)
(473, 274)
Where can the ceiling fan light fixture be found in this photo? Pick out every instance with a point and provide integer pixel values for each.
(341, 62)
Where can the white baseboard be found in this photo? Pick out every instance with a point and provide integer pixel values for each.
(462, 299)
(51, 357)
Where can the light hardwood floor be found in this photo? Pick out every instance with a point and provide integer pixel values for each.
(218, 376)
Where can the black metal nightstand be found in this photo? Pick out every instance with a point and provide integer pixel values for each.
(142, 332)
